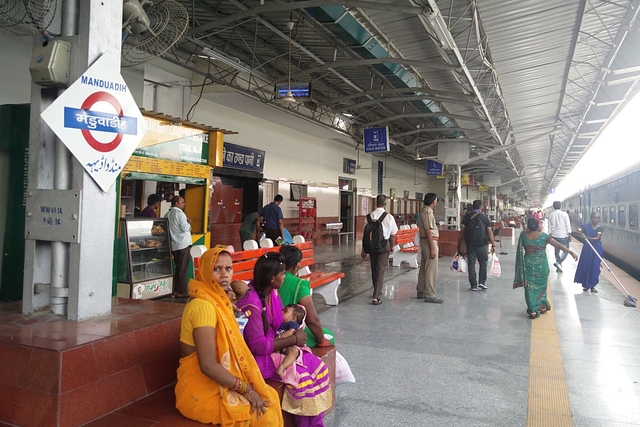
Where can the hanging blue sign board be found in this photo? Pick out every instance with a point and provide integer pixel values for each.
(239, 157)
(380, 175)
(376, 140)
(434, 168)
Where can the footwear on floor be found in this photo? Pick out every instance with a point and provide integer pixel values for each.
(434, 300)
(594, 291)
(585, 290)
(376, 301)
(421, 295)
(482, 286)
(473, 288)
(558, 267)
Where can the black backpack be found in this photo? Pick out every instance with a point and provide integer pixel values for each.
(373, 241)
(475, 232)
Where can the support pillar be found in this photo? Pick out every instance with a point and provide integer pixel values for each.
(87, 269)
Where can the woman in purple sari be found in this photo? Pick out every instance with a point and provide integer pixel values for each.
(308, 398)
(588, 271)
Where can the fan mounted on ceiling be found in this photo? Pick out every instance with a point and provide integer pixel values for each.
(26, 17)
(150, 28)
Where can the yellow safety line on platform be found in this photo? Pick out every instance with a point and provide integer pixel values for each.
(548, 404)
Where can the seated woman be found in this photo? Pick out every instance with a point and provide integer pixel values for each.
(219, 382)
(297, 291)
(307, 400)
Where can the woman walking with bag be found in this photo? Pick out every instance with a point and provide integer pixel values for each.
(532, 267)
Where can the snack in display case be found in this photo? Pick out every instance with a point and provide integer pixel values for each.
(145, 268)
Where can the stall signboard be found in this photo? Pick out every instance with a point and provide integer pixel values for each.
(434, 168)
(166, 167)
(380, 175)
(170, 141)
(483, 188)
(376, 140)
(98, 120)
(466, 180)
(239, 157)
(348, 166)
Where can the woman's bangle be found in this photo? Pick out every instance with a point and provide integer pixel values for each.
(296, 339)
(236, 387)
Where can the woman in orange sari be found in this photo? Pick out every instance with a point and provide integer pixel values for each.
(219, 381)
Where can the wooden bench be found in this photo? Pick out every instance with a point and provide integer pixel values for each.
(407, 252)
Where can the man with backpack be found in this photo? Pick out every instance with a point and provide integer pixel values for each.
(379, 237)
(476, 232)
(428, 229)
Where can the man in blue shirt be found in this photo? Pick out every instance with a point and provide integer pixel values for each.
(272, 215)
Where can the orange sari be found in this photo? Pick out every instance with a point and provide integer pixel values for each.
(200, 398)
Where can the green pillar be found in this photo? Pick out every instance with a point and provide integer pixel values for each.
(14, 139)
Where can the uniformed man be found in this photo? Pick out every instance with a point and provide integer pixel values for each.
(429, 234)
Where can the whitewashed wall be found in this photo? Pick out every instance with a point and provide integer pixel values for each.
(15, 80)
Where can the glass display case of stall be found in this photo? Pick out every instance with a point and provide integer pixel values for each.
(145, 268)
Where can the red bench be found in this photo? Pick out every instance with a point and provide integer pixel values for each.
(407, 250)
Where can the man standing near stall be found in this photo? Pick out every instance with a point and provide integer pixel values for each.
(476, 231)
(180, 230)
(272, 215)
(429, 234)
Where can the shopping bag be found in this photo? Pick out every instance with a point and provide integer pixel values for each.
(455, 262)
(343, 371)
(462, 265)
(494, 266)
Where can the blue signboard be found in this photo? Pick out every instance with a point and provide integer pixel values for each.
(239, 157)
(434, 168)
(376, 140)
(349, 166)
(380, 175)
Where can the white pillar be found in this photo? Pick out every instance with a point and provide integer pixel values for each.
(90, 264)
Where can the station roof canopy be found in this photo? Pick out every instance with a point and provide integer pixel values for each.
(529, 84)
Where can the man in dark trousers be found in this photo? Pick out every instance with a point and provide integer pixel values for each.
(180, 231)
(272, 215)
(476, 231)
(380, 261)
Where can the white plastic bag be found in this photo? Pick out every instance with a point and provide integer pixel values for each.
(343, 371)
(494, 266)
(462, 265)
(455, 262)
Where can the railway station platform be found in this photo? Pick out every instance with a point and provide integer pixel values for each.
(475, 360)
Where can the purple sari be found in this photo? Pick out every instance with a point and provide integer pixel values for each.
(588, 270)
(308, 401)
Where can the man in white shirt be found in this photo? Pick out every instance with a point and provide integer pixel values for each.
(380, 261)
(560, 230)
(180, 231)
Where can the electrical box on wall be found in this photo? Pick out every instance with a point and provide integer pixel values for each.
(50, 63)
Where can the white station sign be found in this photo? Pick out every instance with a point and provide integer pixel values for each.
(98, 120)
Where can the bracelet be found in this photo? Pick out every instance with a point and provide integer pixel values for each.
(248, 392)
(296, 339)
(236, 387)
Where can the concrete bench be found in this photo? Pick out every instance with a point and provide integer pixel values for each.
(405, 250)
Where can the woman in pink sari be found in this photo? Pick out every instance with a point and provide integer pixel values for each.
(310, 396)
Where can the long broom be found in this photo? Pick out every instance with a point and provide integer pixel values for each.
(630, 301)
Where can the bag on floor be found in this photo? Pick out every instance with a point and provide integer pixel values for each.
(462, 265)
(494, 266)
(343, 371)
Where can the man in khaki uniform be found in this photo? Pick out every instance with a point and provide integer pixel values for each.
(429, 234)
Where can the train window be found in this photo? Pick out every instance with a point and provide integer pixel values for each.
(621, 216)
(612, 215)
(605, 216)
(633, 216)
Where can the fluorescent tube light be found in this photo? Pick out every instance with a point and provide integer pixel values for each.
(439, 27)
(231, 62)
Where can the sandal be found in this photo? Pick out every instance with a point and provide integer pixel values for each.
(533, 316)
(376, 301)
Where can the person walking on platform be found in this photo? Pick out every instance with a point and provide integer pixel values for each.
(379, 236)
(429, 234)
(588, 270)
(272, 215)
(532, 267)
(560, 230)
(476, 231)
(180, 231)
